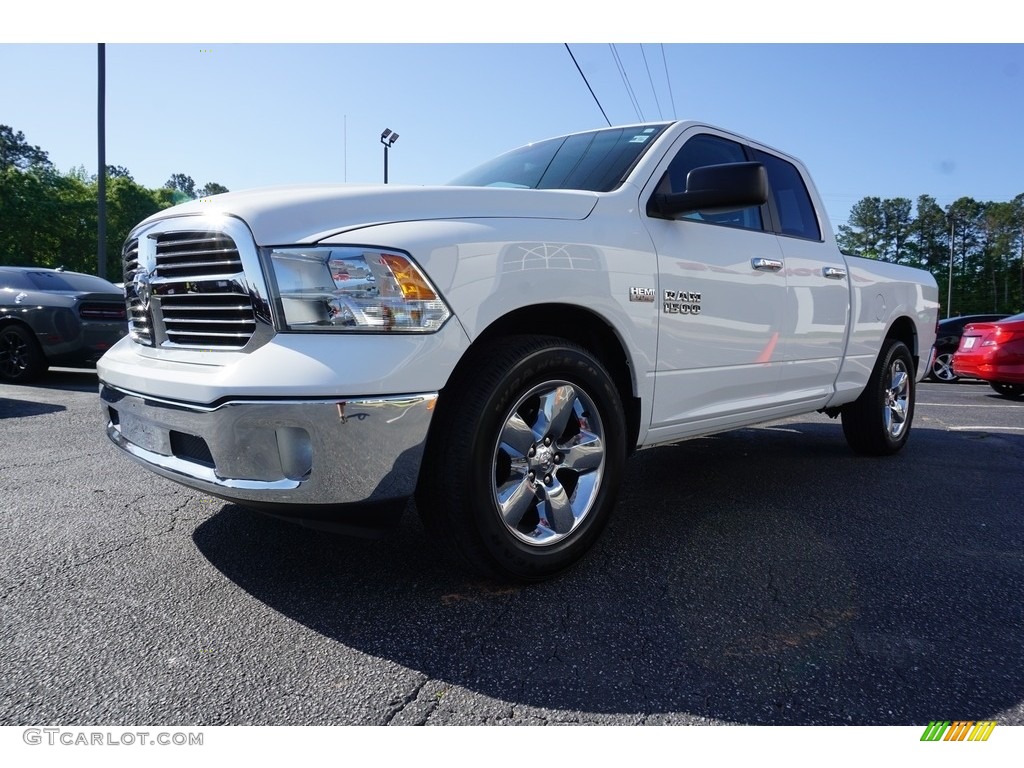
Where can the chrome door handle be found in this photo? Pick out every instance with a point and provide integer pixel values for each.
(833, 273)
(766, 265)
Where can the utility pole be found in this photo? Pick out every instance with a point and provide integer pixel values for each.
(101, 174)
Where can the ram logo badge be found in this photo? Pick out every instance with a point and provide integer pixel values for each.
(682, 303)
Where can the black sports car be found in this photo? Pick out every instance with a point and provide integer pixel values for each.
(52, 317)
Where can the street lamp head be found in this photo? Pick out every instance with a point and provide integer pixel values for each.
(387, 132)
(388, 138)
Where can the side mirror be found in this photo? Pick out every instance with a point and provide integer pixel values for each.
(717, 189)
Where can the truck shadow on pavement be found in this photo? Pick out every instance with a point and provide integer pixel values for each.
(12, 409)
(764, 576)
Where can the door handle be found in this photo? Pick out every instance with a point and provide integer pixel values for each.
(766, 265)
(833, 273)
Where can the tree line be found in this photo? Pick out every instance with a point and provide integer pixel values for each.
(48, 218)
(983, 243)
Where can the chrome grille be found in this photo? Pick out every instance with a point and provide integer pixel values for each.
(189, 293)
(140, 326)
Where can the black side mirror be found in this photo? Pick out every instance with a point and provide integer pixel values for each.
(717, 189)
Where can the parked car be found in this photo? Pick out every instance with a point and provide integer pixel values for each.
(947, 340)
(52, 317)
(994, 352)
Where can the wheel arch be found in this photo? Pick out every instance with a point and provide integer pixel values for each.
(576, 324)
(903, 329)
(7, 321)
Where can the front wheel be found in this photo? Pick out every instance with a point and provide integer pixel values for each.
(1012, 391)
(525, 457)
(878, 422)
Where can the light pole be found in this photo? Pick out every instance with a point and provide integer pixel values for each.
(949, 291)
(388, 138)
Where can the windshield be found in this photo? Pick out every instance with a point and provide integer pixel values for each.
(597, 161)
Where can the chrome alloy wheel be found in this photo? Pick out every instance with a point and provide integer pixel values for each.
(897, 399)
(548, 463)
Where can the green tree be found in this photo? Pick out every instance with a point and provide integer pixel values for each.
(864, 233)
(183, 185)
(1000, 232)
(896, 227)
(15, 152)
(212, 188)
(964, 216)
(929, 236)
(118, 172)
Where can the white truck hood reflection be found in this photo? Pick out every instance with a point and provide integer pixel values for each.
(307, 214)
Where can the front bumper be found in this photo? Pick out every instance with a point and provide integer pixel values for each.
(278, 455)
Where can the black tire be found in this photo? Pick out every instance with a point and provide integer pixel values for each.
(1012, 391)
(534, 425)
(21, 358)
(942, 369)
(878, 422)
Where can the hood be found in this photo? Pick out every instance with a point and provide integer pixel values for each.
(306, 214)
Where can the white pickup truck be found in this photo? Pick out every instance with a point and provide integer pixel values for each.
(499, 345)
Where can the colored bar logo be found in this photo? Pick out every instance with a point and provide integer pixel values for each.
(958, 730)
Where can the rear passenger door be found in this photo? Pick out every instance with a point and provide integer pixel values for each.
(721, 300)
(815, 319)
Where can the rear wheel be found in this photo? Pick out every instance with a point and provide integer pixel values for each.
(21, 358)
(1012, 391)
(525, 457)
(942, 368)
(878, 422)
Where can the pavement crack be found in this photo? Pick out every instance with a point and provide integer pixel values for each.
(409, 699)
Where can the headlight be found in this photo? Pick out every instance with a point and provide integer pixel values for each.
(352, 289)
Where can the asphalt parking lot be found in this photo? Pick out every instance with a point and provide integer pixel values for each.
(764, 576)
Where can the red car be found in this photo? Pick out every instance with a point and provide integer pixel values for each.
(994, 352)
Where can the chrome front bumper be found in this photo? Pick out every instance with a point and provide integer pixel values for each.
(278, 454)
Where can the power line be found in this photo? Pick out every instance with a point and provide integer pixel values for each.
(625, 81)
(650, 79)
(596, 101)
(669, 79)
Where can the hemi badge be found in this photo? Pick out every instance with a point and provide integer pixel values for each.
(641, 294)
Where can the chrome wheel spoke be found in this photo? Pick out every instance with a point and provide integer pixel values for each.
(516, 436)
(556, 509)
(515, 498)
(556, 407)
(899, 382)
(585, 453)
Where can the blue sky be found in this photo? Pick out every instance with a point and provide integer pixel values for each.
(868, 119)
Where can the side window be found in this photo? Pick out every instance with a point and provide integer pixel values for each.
(699, 151)
(792, 201)
(15, 281)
